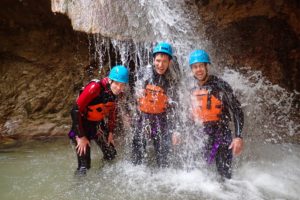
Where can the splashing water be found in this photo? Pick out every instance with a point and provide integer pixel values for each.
(264, 171)
(269, 109)
(45, 171)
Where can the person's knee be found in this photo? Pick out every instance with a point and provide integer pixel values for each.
(110, 153)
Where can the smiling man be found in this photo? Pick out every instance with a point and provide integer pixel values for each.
(153, 107)
(212, 100)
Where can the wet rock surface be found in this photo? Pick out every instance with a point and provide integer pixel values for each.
(41, 64)
(43, 60)
(260, 34)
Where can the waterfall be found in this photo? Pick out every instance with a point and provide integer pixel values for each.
(131, 28)
(124, 32)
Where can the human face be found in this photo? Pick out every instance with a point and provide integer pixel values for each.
(200, 71)
(161, 63)
(117, 87)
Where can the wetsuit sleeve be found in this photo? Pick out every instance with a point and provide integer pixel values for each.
(88, 94)
(234, 105)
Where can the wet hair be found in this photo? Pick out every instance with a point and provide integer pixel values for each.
(154, 55)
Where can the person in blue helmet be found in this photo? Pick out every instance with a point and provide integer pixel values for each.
(212, 101)
(93, 116)
(155, 91)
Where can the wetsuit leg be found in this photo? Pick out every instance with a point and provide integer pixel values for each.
(84, 161)
(157, 148)
(139, 140)
(216, 149)
(161, 139)
(224, 157)
(208, 147)
(162, 147)
(108, 150)
(224, 161)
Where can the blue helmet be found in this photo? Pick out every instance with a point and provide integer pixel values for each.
(199, 56)
(119, 73)
(163, 47)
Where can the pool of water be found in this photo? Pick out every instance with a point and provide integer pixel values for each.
(45, 170)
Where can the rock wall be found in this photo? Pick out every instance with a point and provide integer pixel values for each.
(261, 34)
(43, 61)
(41, 64)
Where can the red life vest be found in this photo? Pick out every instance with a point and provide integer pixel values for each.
(154, 100)
(99, 111)
(205, 107)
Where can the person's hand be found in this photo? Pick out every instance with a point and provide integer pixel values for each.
(81, 145)
(237, 145)
(110, 139)
(176, 138)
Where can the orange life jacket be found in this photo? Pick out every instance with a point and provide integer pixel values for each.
(206, 107)
(99, 111)
(154, 100)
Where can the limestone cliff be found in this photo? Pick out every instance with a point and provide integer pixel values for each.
(43, 60)
(261, 34)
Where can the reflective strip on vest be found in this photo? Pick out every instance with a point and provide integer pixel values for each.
(206, 107)
(154, 100)
(99, 111)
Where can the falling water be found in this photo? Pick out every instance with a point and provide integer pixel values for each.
(267, 169)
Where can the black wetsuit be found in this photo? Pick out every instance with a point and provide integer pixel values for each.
(219, 134)
(156, 127)
(95, 93)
